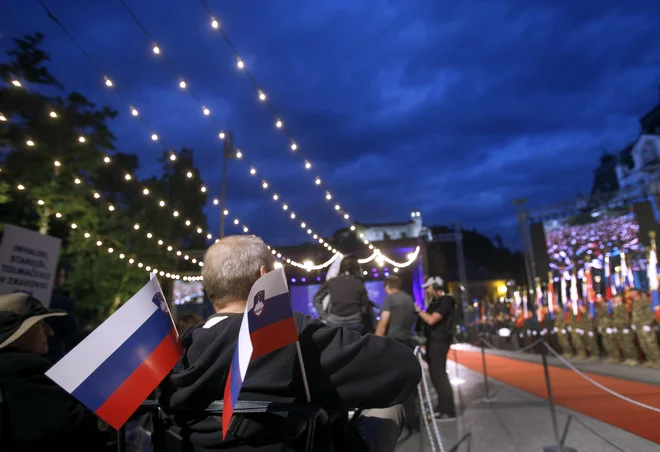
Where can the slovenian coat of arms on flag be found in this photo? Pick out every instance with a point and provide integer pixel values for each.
(122, 361)
(267, 325)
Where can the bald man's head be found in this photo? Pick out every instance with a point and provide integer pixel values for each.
(232, 266)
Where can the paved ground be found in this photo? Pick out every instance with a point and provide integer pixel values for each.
(516, 421)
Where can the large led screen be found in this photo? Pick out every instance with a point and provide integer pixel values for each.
(187, 292)
(591, 234)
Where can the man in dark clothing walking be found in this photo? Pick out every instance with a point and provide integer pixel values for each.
(345, 370)
(439, 332)
(397, 318)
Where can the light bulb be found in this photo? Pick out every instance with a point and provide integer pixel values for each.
(57, 163)
(236, 221)
(108, 82)
(134, 112)
(145, 191)
(175, 213)
(99, 243)
(189, 174)
(225, 212)
(29, 143)
(149, 235)
(16, 83)
(214, 23)
(293, 215)
(276, 197)
(216, 202)
(156, 50)
(154, 137)
(199, 230)
(328, 196)
(2, 118)
(337, 207)
(82, 139)
(245, 229)
(318, 181)
(127, 177)
(262, 96)
(346, 216)
(161, 203)
(202, 189)
(106, 159)
(53, 114)
(206, 111)
(239, 154)
(240, 63)
(253, 171)
(110, 250)
(221, 135)
(136, 226)
(111, 208)
(352, 228)
(264, 184)
(303, 225)
(97, 196)
(308, 165)
(182, 84)
(209, 236)
(41, 203)
(87, 235)
(278, 124)
(294, 146)
(285, 207)
(160, 242)
(188, 223)
(74, 225)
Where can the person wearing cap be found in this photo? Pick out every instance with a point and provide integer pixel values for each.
(36, 414)
(438, 323)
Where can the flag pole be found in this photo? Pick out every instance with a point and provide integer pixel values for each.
(302, 371)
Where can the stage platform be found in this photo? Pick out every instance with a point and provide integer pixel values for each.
(518, 420)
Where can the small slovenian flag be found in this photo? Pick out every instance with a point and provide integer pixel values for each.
(267, 325)
(122, 361)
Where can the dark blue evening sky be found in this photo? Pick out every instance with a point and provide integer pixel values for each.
(455, 108)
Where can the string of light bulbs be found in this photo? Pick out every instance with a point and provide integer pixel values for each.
(145, 191)
(236, 222)
(99, 242)
(240, 155)
(206, 111)
(279, 123)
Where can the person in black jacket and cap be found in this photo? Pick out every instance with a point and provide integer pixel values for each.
(345, 370)
(36, 413)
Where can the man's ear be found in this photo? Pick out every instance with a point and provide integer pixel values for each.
(263, 270)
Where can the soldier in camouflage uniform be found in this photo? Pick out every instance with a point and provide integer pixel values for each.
(589, 338)
(563, 336)
(643, 322)
(624, 331)
(605, 324)
(577, 335)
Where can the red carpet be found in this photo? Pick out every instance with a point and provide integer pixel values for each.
(574, 392)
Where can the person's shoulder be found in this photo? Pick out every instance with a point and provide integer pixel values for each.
(13, 363)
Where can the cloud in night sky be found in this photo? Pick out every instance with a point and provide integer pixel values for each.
(453, 108)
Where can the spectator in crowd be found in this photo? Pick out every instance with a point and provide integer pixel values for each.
(349, 304)
(439, 332)
(185, 321)
(345, 370)
(397, 318)
(37, 414)
(66, 329)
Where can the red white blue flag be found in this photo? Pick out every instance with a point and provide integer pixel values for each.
(267, 325)
(122, 361)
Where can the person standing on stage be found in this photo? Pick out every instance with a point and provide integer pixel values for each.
(439, 331)
(397, 318)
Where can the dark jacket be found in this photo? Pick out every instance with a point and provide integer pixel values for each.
(344, 369)
(38, 414)
(348, 296)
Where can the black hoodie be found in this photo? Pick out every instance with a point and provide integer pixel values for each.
(344, 369)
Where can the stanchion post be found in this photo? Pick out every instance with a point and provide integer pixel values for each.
(551, 402)
(483, 362)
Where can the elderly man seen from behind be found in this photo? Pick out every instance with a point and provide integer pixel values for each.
(345, 370)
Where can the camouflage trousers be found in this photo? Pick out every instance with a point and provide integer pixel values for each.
(610, 345)
(627, 342)
(591, 341)
(563, 340)
(578, 342)
(649, 343)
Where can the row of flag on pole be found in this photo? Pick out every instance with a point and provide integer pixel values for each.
(123, 361)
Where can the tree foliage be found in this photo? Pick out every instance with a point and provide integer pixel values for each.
(88, 186)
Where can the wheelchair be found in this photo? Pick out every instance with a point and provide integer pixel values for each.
(294, 422)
